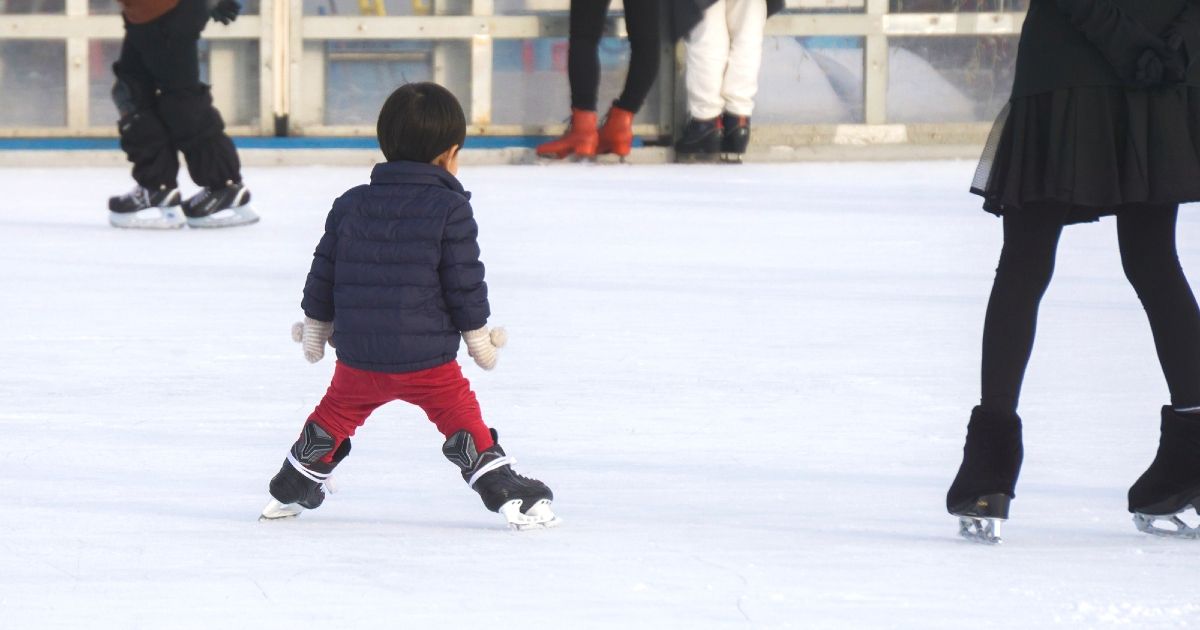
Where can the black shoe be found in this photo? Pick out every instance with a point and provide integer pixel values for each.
(701, 140)
(1172, 482)
(143, 198)
(226, 206)
(735, 137)
(145, 208)
(490, 474)
(302, 477)
(987, 479)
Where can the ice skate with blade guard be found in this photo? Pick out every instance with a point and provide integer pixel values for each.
(524, 502)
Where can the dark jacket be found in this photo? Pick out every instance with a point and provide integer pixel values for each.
(398, 270)
(686, 14)
(1072, 43)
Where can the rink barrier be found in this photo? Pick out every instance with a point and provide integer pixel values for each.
(291, 57)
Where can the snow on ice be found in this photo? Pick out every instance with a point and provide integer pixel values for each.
(747, 386)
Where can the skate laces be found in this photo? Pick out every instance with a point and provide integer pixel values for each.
(499, 462)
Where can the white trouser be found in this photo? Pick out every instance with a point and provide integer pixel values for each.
(724, 54)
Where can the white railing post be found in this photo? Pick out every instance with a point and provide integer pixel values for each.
(78, 65)
(875, 65)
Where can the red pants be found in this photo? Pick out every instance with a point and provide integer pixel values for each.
(443, 392)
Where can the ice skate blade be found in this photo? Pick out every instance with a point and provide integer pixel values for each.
(162, 218)
(537, 517)
(1148, 524)
(983, 531)
(229, 217)
(276, 511)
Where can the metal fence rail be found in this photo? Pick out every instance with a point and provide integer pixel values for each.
(294, 53)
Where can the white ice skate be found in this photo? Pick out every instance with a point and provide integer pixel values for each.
(1176, 527)
(539, 516)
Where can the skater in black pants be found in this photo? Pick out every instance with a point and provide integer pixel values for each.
(583, 137)
(1104, 120)
(164, 110)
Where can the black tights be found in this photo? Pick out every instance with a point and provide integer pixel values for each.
(1146, 236)
(583, 58)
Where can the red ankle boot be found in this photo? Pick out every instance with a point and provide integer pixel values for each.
(579, 139)
(617, 134)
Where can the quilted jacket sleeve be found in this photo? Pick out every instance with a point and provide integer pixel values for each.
(318, 289)
(1123, 41)
(461, 272)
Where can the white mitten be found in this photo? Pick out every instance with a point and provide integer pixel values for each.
(312, 336)
(482, 345)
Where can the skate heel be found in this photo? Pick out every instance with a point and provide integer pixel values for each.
(993, 506)
(979, 520)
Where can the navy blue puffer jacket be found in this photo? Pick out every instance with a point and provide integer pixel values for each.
(398, 270)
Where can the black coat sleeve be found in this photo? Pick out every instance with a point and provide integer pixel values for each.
(318, 289)
(1132, 50)
(461, 272)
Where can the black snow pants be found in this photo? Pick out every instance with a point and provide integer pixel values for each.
(1146, 235)
(583, 59)
(164, 107)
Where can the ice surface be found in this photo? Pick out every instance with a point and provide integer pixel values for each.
(748, 387)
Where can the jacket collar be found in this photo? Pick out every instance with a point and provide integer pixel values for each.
(416, 173)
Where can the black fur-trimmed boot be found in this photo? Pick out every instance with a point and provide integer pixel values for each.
(987, 479)
(524, 502)
(1171, 485)
(301, 481)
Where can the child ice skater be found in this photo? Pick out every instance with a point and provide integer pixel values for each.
(724, 43)
(164, 110)
(395, 281)
(1104, 120)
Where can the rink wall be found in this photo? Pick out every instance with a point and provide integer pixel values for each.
(839, 77)
(802, 143)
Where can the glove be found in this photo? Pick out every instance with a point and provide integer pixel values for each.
(312, 335)
(1175, 65)
(1139, 57)
(225, 11)
(482, 345)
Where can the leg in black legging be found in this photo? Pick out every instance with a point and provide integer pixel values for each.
(1026, 266)
(1147, 238)
(642, 22)
(583, 51)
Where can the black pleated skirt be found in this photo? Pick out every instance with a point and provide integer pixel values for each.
(1101, 150)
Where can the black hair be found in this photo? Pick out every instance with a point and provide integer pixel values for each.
(419, 122)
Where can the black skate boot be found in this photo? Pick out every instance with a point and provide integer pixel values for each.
(302, 479)
(1171, 485)
(147, 209)
(524, 502)
(701, 141)
(735, 137)
(226, 206)
(987, 479)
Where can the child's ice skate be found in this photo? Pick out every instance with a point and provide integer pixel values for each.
(524, 502)
(303, 479)
(986, 480)
(1170, 487)
(224, 206)
(146, 209)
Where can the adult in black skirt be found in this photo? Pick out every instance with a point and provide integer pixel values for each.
(584, 137)
(164, 110)
(1104, 120)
